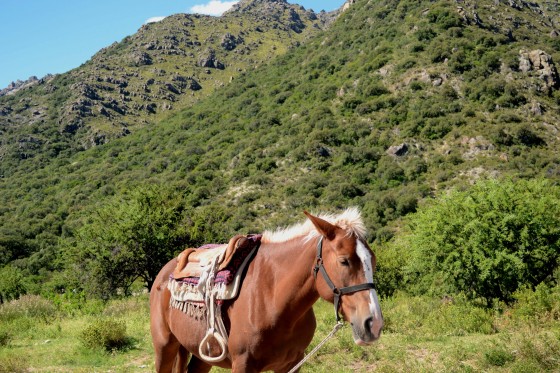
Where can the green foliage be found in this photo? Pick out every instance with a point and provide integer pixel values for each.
(11, 283)
(28, 306)
(130, 237)
(310, 129)
(14, 364)
(543, 301)
(486, 241)
(5, 338)
(432, 316)
(499, 356)
(108, 334)
(410, 336)
(535, 350)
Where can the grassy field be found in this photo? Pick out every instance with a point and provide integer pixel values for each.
(422, 335)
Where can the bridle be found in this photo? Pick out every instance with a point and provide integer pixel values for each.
(336, 291)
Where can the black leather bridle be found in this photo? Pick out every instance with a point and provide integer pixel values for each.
(336, 291)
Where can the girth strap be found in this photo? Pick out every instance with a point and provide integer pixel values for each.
(338, 293)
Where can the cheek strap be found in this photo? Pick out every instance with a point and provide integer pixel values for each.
(338, 292)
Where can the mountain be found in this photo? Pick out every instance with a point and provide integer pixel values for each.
(162, 68)
(393, 103)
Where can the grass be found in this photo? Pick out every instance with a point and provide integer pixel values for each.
(411, 342)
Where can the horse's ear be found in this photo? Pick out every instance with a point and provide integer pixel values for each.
(327, 229)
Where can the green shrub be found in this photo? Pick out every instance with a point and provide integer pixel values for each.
(11, 283)
(485, 241)
(127, 306)
(536, 351)
(107, 334)
(14, 364)
(542, 302)
(498, 356)
(32, 306)
(5, 338)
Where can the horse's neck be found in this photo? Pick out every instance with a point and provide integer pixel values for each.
(288, 264)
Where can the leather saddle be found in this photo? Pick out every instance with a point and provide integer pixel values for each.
(191, 262)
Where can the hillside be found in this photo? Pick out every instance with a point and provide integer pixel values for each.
(162, 68)
(396, 101)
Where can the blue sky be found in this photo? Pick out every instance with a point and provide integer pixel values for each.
(53, 36)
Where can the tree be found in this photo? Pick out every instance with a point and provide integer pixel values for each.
(11, 284)
(132, 236)
(487, 241)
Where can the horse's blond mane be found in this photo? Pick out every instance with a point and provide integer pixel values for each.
(350, 220)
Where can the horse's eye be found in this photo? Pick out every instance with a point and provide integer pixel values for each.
(344, 262)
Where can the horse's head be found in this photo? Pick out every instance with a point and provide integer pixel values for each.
(344, 271)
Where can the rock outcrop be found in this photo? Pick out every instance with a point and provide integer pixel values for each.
(18, 85)
(541, 63)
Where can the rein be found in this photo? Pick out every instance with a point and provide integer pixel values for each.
(338, 293)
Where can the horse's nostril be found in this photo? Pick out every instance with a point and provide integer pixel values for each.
(368, 324)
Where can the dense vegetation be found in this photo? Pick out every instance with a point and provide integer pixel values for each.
(164, 67)
(429, 117)
(396, 101)
(486, 242)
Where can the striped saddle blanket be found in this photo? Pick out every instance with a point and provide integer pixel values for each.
(225, 263)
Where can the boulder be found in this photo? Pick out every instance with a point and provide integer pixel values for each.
(229, 42)
(398, 150)
(540, 62)
(208, 59)
(141, 58)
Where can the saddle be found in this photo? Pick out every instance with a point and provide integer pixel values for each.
(225, 263)
(191, 262)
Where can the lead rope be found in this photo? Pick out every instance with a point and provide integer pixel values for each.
(336, 328)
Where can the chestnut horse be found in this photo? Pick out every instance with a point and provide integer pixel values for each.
(271, 322)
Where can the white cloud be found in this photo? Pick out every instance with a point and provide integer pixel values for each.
(154, 19)
(214, 7)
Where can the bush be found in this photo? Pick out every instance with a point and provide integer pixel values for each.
(32, 306)
(542, 302)
(127, 306)
(536, 351)
(11, 283)
(5, 338)
(486, 241)
(107, 334)
(14, 364)
(498, 356)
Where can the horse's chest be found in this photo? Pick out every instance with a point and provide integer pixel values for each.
(272, 345)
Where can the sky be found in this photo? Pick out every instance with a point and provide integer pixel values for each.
(39, 37)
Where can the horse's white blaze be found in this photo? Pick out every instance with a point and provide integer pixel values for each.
(365, 256)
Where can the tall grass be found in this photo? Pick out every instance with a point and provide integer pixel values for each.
(422, 334)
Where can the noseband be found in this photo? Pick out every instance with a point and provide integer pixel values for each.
(336, 291)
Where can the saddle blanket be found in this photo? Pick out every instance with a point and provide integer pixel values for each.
(184, 281)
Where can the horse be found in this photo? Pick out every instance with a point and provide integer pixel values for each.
(271, 321)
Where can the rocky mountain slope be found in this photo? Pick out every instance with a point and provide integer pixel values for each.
(394, 103)
(164, 67)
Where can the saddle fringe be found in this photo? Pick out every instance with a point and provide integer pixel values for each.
(192, 309)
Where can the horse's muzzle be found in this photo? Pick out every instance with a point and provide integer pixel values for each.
(367, 331)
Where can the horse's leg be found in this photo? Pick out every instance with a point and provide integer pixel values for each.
(292, 364)
(181, 360)
(198, 366)
(242, 364)
(166, 354)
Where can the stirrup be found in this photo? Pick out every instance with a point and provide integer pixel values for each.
(221, 342)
